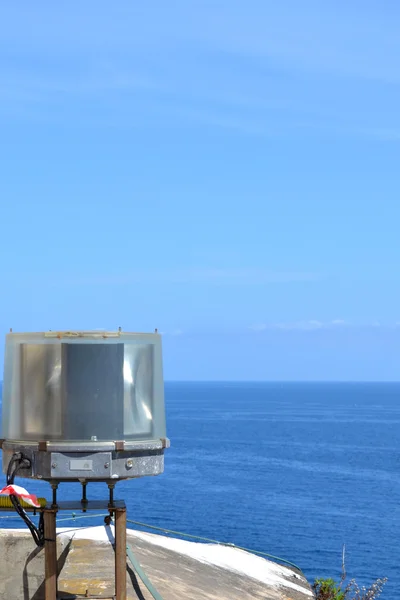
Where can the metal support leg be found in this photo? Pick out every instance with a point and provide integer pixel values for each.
(111, 487)
(54, 488)
(50, 555)
(120, 554)
(84, 497)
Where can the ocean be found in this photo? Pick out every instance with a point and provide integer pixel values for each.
(292, 469)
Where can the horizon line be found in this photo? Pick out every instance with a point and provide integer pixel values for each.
(338, 381)
(282, 381)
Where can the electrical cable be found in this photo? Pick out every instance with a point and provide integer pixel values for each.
(138, 568)
(37, 532)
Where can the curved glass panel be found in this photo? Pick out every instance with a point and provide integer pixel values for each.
(83, 386)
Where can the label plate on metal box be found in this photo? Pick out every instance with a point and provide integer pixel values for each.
(81, 465)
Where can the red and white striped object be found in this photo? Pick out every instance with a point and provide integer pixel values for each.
(17, 490)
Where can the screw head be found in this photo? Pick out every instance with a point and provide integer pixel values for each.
(129, 463)
(54, 465)
(106, 465)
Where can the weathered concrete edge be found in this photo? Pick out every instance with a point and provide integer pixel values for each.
(270, 575)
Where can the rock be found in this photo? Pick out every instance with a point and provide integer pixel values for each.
(179, 570)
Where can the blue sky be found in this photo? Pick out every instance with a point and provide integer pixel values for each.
(225, 171)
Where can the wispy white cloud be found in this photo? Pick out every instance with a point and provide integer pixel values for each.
(312, 37)
(295, 66)
(259, 327)
(305, 325)
(308, 36)
(195, 275)
(172, 332)
(309, 325)
(387, 134)
(314, 324)
(93, 80)
(176, 332)
(246, 276)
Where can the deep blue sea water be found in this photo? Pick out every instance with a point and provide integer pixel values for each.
(296, 470)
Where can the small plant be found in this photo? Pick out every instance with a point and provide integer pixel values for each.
(329, 589)
(354, 592)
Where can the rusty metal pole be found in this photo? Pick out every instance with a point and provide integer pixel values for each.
(120, 554)
(50, 555)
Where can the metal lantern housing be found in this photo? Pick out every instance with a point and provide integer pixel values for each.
(84, 405)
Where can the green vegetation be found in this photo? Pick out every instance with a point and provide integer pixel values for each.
(329, 589)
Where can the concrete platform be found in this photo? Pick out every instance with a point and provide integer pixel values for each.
(180, 570)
